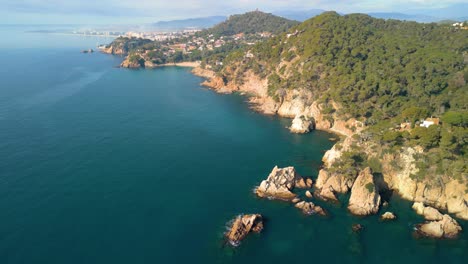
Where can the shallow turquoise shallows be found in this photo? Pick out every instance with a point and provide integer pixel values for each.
(106, 165)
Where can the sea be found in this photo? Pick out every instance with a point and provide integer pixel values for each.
(100, 164)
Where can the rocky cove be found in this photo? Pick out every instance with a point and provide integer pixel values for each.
(366, 189)
(307, 114)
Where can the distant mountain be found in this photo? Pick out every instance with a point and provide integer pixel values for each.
(455, 12)
(299, 15)
(401, 16)
(252, 22)
(201, 22)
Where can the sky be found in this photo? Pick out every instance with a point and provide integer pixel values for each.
(147, 11)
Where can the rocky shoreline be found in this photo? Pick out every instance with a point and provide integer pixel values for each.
(365, 188)
(307, 114)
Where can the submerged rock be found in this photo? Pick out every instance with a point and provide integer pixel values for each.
(309, 208)
(447, 227)
(301, 125)
(388, 216)
(357, 228)
(242, 226)
(280, 183)
(365, 198)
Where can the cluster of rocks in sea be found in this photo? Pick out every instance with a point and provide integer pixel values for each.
(364, 200)
(437, 225)
(308, 113)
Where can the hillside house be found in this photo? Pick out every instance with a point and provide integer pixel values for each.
(429, 122)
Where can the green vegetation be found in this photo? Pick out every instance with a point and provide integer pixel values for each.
(370, 187)
(383, 73)
(251, 23)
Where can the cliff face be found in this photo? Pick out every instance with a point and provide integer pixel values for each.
(295, 102)
(114, 50)
(451, 196)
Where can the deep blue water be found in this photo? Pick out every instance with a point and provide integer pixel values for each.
(106, 165)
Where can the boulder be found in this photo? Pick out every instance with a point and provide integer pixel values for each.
(279, 184)
(334, 182)
(310, 208)
(242, 225)
(301, 125)
(328, 194)
(388, 216)
(295, 200)
(365, 198)
(308, 194)
(304, 183)
(447, 227)
(429, 213)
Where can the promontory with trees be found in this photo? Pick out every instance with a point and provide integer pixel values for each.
(397, 91)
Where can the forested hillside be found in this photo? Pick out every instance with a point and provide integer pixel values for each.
(251, 23)
(381, 72)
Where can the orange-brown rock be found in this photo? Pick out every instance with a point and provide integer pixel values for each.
(242, 226)
(365, 197)
(280, 184)
(447, 227)
(310, 208)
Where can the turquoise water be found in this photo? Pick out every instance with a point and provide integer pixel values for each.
(106, 165)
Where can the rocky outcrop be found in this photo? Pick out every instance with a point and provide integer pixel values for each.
(289, 103)
(301, 125)
(280, 184)
(447, 195)
(331, 183)
(309, 208)
(365, 197)
(241, 226)
(429, 213)
(388, 216)
(131, 64)
(113, 50)
(446, 227)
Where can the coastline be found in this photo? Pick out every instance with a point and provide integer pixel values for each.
(448, 198)
(187, 64)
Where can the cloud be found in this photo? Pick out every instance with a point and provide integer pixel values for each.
(164, 9)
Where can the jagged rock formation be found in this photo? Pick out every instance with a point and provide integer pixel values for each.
(280, 183)
(310, 208)
(429, 213)
(114, 51)
(451, 196)
(447, 227)
(331, 183)
(131, 64)
(448, 195)
(388, 216)
(301, 125)
(242, 226)
(365, 197)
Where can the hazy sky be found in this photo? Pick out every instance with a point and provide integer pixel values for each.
(140, 11)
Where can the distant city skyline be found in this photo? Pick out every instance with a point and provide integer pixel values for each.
(147, 11)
